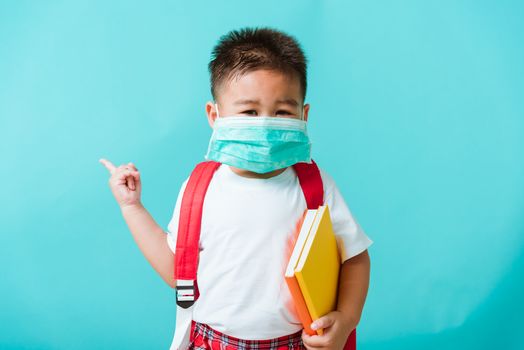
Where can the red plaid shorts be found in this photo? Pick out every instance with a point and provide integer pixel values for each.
(204, 337)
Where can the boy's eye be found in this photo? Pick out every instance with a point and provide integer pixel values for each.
(254, 112)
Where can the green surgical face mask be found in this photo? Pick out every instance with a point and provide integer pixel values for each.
(260, 144)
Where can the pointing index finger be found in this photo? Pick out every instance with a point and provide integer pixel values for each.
(108, 165)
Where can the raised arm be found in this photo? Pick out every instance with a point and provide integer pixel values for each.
(149, 236)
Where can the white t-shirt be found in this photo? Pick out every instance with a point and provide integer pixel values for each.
(246, 224)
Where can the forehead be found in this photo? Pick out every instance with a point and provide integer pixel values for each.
(264, 85)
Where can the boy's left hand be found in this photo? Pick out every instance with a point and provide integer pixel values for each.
(336, 332)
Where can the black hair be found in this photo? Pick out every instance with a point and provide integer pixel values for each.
(249, 49)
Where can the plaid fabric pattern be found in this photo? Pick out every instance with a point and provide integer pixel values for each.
(203, 337)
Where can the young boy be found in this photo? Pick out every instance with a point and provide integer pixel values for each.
(253, 202)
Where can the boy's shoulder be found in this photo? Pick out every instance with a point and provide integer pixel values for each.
(326, 177)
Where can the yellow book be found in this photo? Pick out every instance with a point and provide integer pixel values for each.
(317, 270)
(300, 237)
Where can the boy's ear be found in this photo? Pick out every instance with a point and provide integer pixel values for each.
(306, 111)
(211, 113)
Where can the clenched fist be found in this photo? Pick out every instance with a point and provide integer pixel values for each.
(124, 182)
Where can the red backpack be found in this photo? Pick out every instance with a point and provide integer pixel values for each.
(187, 246)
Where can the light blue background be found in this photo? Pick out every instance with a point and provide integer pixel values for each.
(417, 112)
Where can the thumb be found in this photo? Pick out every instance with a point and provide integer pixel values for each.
(323, 322)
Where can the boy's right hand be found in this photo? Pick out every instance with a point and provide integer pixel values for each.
(124, 182)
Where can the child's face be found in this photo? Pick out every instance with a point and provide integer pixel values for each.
(259, 93)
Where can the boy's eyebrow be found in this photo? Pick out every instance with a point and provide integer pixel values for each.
(288, 101)
(246, 102)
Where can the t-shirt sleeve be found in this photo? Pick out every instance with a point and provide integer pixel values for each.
(172, 227)
(351, 238)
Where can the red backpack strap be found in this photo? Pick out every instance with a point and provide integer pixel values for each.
(311, 183)
(312, 186)
(187, 246)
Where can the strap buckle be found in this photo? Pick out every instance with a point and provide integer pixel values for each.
(185, 293)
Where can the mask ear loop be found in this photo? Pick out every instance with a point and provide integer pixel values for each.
(216, 106)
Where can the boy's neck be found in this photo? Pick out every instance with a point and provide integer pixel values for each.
(247, 173)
